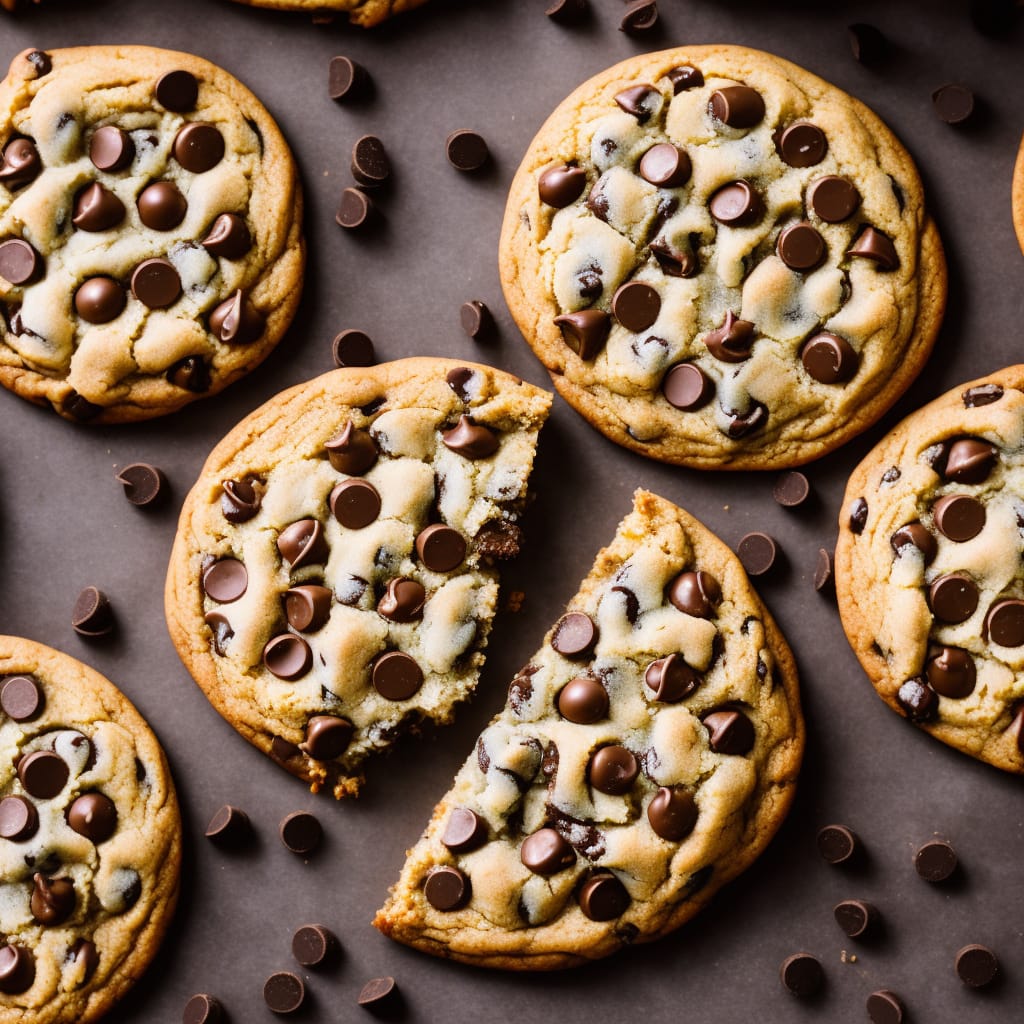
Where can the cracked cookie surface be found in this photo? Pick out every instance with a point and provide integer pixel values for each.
(646, 755)
(90, 839)
(360, 12)
(928, 568)
(332, 582)
(150, 231)
(722, 260)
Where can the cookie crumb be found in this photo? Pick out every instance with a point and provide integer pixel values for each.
(515, 601)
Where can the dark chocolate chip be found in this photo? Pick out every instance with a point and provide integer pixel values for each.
(935, 861)
(355, 503)
(976, 965)
(281, 750)
(670, 679)
(639, 17)
(111, 149)
(353, 451)
(801, 144)
(953, 598)
(757, 552)
(84, 952)
(396, 676)
(144, 484)
(308, 607)
(884, 1007)
(561, 185)
(202, 1009)
(574, 635)
(303, 543)
(499, 538)
(97, 209)
(355, 209)
(301, 832)
(613, 770)
(353, 348)
(240, 501)
(684, 77)
(982, 394)
(371, 166)
(21, 164)
(20, 264)
(856, 917)
(99, 300)
(476, 320)
(177, 90)
(228, 237)
(675, 262)
(190, 373)
(198, 147)
(953, 104)
(287, 656)
(918, 536)
(791, 489)
(732, 342)
(470, 440)
(156, 284)
(951, 673)
(226, 580)
(737, 204)
(403, 600)
(918, 700)
(568, 12)
(18, 819)
(236, 321)
(802, 974)
(801, 247)
(970, 461)
(41, 61)
(695, 593)
(672, 813)
(833, 199)
(43, 774)
(161, 206)
(828, 358)
(17, 969)
(686, 386)
(465, 831)
(545, 852)
(729, 732)
(229, 825)
(284, 992)
(440, 548)
(347, 80)
(585, 331)
(873, 245)
(22, 698)
(823, 569)
(447, 888)
(602, 897)
(1004, 623)
(52, 900)
(959, 516)
(837, 844)
(636, 305)
(467, 150)
(858, 515)
(92, 615)
(327, 737)
(378, 993)
(738, 106)
(748, 422)
(639, 100)
(583, 700)
(94, 816)
(867, 44)
(665, 165)
(313, 945)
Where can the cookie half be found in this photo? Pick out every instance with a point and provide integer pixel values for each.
(360, 12)
(722, 260)
(1018, 196)
(150, 231)
(928, 568)
(646, 755)
(332, 582)
(90, 839)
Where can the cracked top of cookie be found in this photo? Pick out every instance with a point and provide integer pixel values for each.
(723, 260)
(150, 218)
(646, 755)
(89, 838)
(333, 583)
(929, 570)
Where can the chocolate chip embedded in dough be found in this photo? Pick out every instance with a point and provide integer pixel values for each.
(470, 440)
(918, 700)
(198, 147)
(301, 832)
(561, 185)
(574, 635)
(17, 969)
(585, 331)
(303, 543)
(202, 1009)
(353, 451)
(737, 204)
(156, 284)
(355, 503)
(858, 516)
(43, 774)
(915, 535)
(327, 737)
(672, 813)
(746, 423)
(99, 300)
(801, 247)
(284, 992)
(308, 607)
(403, 600)
(791, 489)
(22, 698)
(959, 517)
(355, 209)
(465, 831)
(685, 77)
(583, 700)
(97, 209)
(236, 321)
(801, 144)
(20, 263)
(639, 17)
(440, 548)
(729, 732)
(953, 598)
(371, 166)
(802, 974)
(92, 615)
(466, 150)
(837, 844)
(936, 861)
(347, 80)
(287, 656)
(229, 825)
(144, 485)
(670, 679)
(675, 262)
(665, 165)
(396, 676)
(228, 237)
(738, 106)
(94, 816)
(976, 965)
(545, 852)
(190, 373)
(871, 244)
(639, 100)
(177, 90)
(970, 460)
(696, 593)
(52, 900)
(951, 673)
(447, 889)
(226, 580)
(240, 500)
(686, 386)
(833, 199)
(732, 342)
(20, 165)
(757, 552)
(613, 770)
(161, 206)
(983, 394)
(953, 103)
(829, 359)
(867, 44)
(1004, 623)
(220, 627)
(111, 149)
(636, 305)
(602, 897)
(19, 819)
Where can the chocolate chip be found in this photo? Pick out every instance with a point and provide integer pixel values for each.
(447, 889)
(823, 570)
(156, 284)
(732, 342)
(226, 580)
(229, 825)
(94, 816)
(355, 503)
(828, 358)
(757, 552)
(602, 897)
(951, 673)
(800, 247)
(467, 150)
(695, 593)
(18, 819)
(884, 1007)
(308, 607)
(959, 517)
(676, 262)
(41, 61)
(198, 147)
(43, 774)
(228, 237)
(353, 348)
(470, 440)
(22, 698)
(976, 966)
(545, 852)
(858, 516)
(833, 199)
(801, 973)
(301, 832)
(1004, 623)
(313, 945)
(636, 306)
(802, 144)
(240, 501)
(983, 394)
(729, 732)
(873, 245)
(353, 451)
(287, 656)
(867, 44)
(953, 104)
(687, 387)
(640, 16)
(190, 373)
(465, 831)
(585, 331)
(177, 91)
(21, 164)
(161, 206)
(747, 423)
(370, 164)
(236, 321)
(561, 185)
(684, 77)
(574, 635)
(97, 209)
(613, 770)
(970, 461)
(918, 700)
(202, 1009)
(284, 992)
(92, 615)
(476, 320)
(953, 598)
(738, 106)
(355, 209)
(837, 844)
(440, 548)
(327, 737)
(20, 264)
(935, 861)
(499, 539)
(665, 165)
(737, 204)
(99, 300)
(347, 80)
(111, 149)
(583, 700)
(396, 676)
(303, 543)
(144, 484)
(378, 994)
(17, 969)
(568, 12)
(670, 679)
(672, 813)
(639, 100)
(463, 382)
(918, 536)
(791, 489)
(52, 900)
(856, 917)
(403, 600)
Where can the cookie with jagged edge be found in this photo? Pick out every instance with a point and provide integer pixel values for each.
(333, 578)
(90, 839)
(722, 260)
(928, 568)
(360, 12)
(646, 755)
(1018, 196)
(151, 246)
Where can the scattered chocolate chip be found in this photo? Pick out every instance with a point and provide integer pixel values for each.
(94, 816)
(43, 774)
(470, 440)
(838, 844)
(403, 600)
(545, 852)
(202, 1009)
(636, 305)
(499, 539)
(953, 104)
(732, 342)
(686, 386)
(92, 615)
(190, 373)
(672, 813)
(639, 17)
(355, 503)
(856, 917)
(757, 552)
(353, 451)
(833, 199)
(440, 548)
(347, 80)
(935, 861)
(353, 348)
(583, 700)
(287, 656)
(613, 770)
(144, 484)
(307, 607)
(225, 580)
(97, 209)
(1004, 623)
(953, 598)
(52, 900)
(568, 12)
(585, 331)
(918, 700)
(303, 543)
(177, 91)
(791, 489)
(823, 570)
(737, 204)
(959, 517)
(802, 974)
(236, 321)
(802, 144)
(355, 209)
(918, 536)
(670, 679)
(467, 151)
(396, 676)
(447, 888)
(156, 284)
(561, 185)
(22, 698)
(327, 737)
(20, 264)
(18, 819)
(867, 44)
(99, 300)
(602, 897)
(858, 516)
(228, 237)
(970, 461)
(665, 165)
(301, 832)
(240, 500)
(161, 206)
(229, 825)
(983, 394)
(800, 247)
(284, 992)
(884, 1007)
(476, 320)
(729, 732)
(873, 245)
(976, 966)
(111, 149)
(17, 969)
(313, 945)
(21, 163)
(378, 993)
(574, 635)
(465, 831)
(738, 106)
(371, 166)
(198, 147)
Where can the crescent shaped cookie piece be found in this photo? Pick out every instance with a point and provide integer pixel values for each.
(722, 260)
(90, 839)
(928, 568)
(333, 579)
(646, 756)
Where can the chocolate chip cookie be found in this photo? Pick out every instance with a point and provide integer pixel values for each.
(928, 568)
(150, 231)
(1018, 196)
(646, 755)
(722, 260)
(333, 579)
(90, 839)
(360, 12)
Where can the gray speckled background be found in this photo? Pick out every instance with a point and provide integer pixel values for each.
(500, 67)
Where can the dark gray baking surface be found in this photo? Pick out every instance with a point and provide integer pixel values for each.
(500, 67)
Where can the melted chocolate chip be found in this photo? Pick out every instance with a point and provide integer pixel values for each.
(240, 500)
(562, 185)
(545, 852)
(303, 543)
(613, 770)
(918, 536)
(670, 679)
(327, 737)
(585, 331)
(733, 341)
(951, 673)
(602, 897)
(729, 732)
(684, 77)
(236, 321)
(470, 440)
(287, 656)
(308, 607)
(94, 816)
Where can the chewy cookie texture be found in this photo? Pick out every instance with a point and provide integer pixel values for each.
(928, 568)
(722, 260)
(90, 839)
(646, 755)
(150, 231)
(332, 582)
(360, 12)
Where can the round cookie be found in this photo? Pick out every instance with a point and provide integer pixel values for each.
(90, 839)
(332, 582)
(928, 568)
(646, 755)
(150, 231)
(722, 260)
(1018, 196)
(360, 12)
